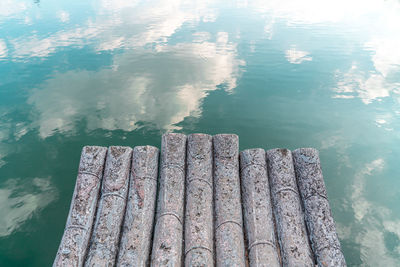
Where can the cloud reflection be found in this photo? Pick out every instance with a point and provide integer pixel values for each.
(316, 12)
(368, 86)
(161, 89)
(295, 56)
(118, 24)
(375, 23)
(385, 54)
(159, 84)
(374, 220)
(63, 16)
(11, 8)
(3, 49)
(20, 199)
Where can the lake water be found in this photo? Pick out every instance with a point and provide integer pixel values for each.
(309, 73)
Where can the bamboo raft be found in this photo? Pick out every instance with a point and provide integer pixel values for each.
(203, 205)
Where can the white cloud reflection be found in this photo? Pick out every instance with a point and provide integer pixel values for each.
(365, 85)
(161, 84)
(373, 218)
(315, 11)
(3, 49)
(19, 200)
(295, 56)
(33, 46)
(382, 42)
(63, 16)
(162, 90)
(375, 23)
(361, 205)
(11, 8)
(119, 24)
(385, 54)
(367, 183)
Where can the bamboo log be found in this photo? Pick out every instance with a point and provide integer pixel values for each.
(199, 242)
(138, 223)
(228, 211)
(167, 244)
(291, 229)
(318, 215)
(74, 243)
(272, 202)
(110, 213)
(258, 217)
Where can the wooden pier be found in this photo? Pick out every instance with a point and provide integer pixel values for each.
(204, 204)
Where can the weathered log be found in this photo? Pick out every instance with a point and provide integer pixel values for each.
(76, 236)
(167, 244)
(228, 211)
(110, 213)
(138, 223)
(199, 242)
(318, 215)
(258, 217)
(289, 217)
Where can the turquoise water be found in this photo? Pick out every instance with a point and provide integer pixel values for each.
(322, 74)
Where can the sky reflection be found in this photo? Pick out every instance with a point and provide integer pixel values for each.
(20, 199)
(162, 90)
(280, 73)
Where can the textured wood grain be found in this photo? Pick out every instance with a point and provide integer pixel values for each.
(74, 243)
(197, 213)
(258, 218)
(199, 235)
(138, 223)
(318, 215)
(168, 233)
(105, 238)
(229, 240)
(289, 217)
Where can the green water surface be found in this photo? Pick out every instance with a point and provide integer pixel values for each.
(311, 73)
